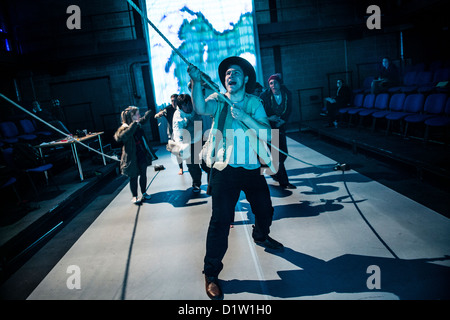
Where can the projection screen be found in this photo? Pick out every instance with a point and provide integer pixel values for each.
(205, 32)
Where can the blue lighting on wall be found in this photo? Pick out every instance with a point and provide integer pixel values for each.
(6, 41)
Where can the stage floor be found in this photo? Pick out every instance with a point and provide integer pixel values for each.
(345, 236)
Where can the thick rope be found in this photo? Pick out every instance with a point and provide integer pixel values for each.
(211, 85)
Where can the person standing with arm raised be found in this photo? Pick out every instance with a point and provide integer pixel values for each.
(136, 155)
(278, 105)
(235, 167)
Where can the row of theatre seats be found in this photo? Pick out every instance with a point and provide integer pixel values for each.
(427, 110)
(14, 136)
(417, 79)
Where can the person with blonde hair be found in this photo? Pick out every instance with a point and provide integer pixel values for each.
(136, 153)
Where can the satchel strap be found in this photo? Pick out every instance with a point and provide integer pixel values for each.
(222, 117)
(220, 128)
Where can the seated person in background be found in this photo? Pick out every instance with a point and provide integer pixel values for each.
(47, 117)
(277, 102)
(333, 104)
(57, 111)
(387, 77)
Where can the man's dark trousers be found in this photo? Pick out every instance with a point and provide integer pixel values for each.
(226, 188)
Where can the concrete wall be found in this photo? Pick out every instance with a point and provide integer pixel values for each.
(305, 40)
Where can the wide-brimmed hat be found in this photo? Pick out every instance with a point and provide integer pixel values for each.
(246, 66)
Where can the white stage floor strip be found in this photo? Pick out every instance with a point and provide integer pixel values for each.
(333, 242)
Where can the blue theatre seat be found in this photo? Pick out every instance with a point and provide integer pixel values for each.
(395, 104)
(408, 80)
(434, 106)
(369, 100)
(439, 121)
(423, 78)
(11, 134)
(358, 100)
(381, 103)
(9, 160)
(367, 84)
(413, 104)
(29, 128)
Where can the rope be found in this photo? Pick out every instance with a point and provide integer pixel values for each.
(211, 85)
(367, 221)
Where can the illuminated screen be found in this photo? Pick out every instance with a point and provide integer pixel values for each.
(205, 32)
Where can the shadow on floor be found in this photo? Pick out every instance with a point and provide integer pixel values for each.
(407, 279)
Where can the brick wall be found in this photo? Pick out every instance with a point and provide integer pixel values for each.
(102, 49)
(309, 54)
(314, 38)
(117, 72)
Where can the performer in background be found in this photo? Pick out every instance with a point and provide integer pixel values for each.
(168, 113)
(49, 116)
(136, 154)
(184, 120)
(278, 105)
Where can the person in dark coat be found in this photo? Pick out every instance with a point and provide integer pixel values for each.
(136, 153)
(341, 100)
(168, 113)
(278, 106)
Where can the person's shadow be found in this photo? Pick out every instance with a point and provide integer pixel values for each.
(301, 209)
(407, 279)
(178, 198)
